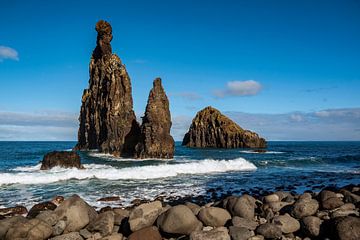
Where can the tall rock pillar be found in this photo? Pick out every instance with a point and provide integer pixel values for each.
(107, 119)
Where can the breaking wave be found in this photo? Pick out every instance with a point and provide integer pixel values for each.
(33, 174)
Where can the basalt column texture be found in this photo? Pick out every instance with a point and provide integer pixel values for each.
(155, 140)
(210, 128)
(107, 119)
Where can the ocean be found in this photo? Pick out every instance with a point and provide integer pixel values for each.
(206, 173)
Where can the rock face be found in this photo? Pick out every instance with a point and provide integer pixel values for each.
(61, 159)
(107, 119)
(210, 128)
(155, 139)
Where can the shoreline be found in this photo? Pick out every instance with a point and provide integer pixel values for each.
(256, 214)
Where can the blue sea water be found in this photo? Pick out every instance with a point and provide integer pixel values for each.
(291, 166)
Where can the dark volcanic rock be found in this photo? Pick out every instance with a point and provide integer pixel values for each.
(210, 128)
(107, 119)
(61, 159)
(155, 140)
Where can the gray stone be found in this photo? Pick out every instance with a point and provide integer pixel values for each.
(85, 233)
(193, 207)
(240, 233)
(220, 233)
(68, 236)
(31, 229)
(304, 207)
(103, 223)
(243, 222)
(276, 206)
(6, 223)
(269, 230)
(329, 200)
(76, 213)
(350, 197)
(287, 223)
(178, 220)
(49, 217)
(244, 206)
(59, 228)
(114, 236)
(349, 228)
(214, 216)
(311, 226)
(144, 215)
(256, 237)
(271, 198)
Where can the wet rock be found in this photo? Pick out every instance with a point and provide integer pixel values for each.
(349, 228)
(40, 207)
(304, 207)
(269, 230)
(30, 229)
(76, 213)
(13, 211)
(155, 139)
(243, 222)
(107, 119)
(62, 159)
(240, 233)
(109, 199)
(243, 206)
(148, 233)
(103, 223)
(311, 226)
(144, 215)
(68, 236)
(214, 216)
(178, 220)
(220, 233)
(329, 200)
(287, 223)
(210, 128)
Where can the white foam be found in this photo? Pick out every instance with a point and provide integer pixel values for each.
(255, 152)
(33, 175)
(110, 157)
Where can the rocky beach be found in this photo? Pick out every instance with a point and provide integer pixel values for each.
(242, 170)
(328, 214)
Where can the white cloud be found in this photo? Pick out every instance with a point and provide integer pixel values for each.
(240, 88)
(8, 53)
(38, 126)
(296, 117)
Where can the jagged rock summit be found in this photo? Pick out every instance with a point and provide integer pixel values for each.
(210, 128)
(107, 120)
(155, 139)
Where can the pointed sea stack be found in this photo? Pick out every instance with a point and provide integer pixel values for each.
(107, 119)
(155, 139)
(212, 129)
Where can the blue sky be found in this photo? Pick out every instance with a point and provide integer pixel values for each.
(273, 58)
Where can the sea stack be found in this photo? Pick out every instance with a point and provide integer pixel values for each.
(155, 138)
(212, 129)
(107, 119)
